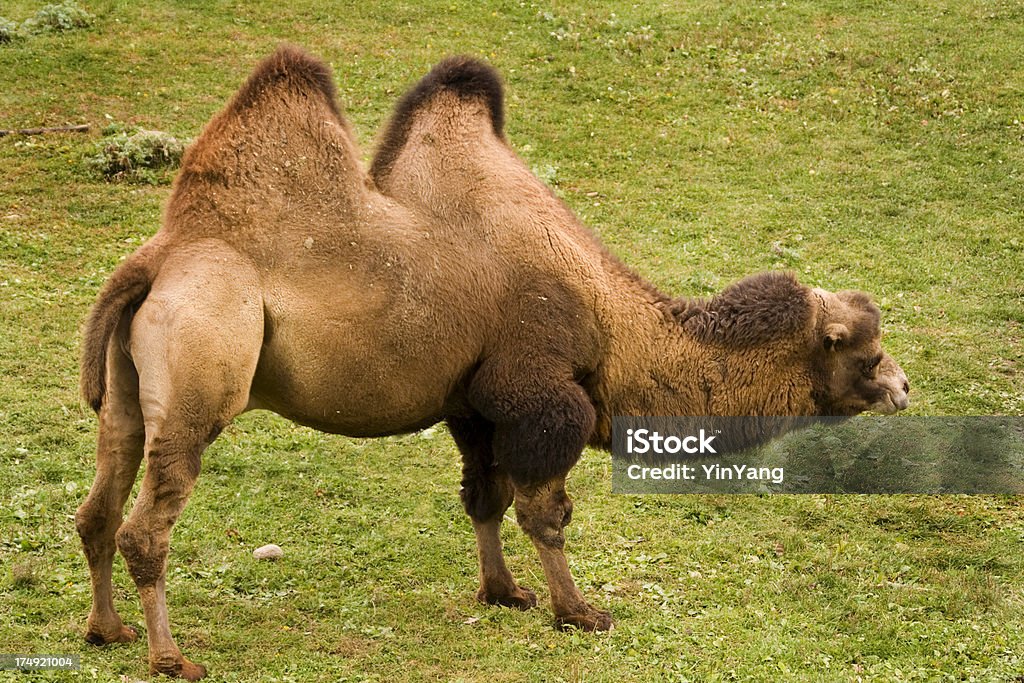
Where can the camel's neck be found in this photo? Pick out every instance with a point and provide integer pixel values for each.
(648, 369)
(655, 367)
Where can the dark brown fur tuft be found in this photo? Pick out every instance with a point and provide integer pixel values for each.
(756, 310)
(292, 68)
(466, 77)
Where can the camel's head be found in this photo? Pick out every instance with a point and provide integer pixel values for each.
(857, 374)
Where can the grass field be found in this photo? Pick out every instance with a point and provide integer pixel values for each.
(877, 146)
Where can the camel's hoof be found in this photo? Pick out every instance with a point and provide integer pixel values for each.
(521, 598)
(592, 620)
(124, 634)
(190, 671)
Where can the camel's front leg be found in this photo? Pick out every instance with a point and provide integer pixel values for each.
(542, 422)
(486, 494)
(543, 511)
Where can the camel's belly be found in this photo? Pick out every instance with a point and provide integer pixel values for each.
(361, 369)
(357, 399)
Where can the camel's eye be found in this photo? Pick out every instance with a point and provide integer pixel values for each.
(871, 366)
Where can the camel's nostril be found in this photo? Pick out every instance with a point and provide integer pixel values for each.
(906, 387)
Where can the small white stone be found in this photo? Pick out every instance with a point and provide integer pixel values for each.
(268, 552)
(308, 243)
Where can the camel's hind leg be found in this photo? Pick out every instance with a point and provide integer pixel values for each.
(195, 342)
(118, 454)
(486, 494)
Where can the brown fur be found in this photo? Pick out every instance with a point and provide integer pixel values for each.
(128, 286)
(288, 69)
(463, 76)
(452, 285)
(756, 348)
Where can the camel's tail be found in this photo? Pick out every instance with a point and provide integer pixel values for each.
(128, 286)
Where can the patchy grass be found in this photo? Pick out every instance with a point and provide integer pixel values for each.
(58, 18)
(8, 30)
(869, 146)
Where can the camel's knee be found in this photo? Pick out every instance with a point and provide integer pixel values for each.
(485, 496)
(144, 538)
(92, 523)
(92, 520)
(144, 550)
(96, 520)
(119, 453)
(543, 513)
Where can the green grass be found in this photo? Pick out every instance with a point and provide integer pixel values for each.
(876, 146)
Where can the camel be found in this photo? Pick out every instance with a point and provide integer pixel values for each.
(447, 284)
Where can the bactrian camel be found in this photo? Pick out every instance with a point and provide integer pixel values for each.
(447, 284)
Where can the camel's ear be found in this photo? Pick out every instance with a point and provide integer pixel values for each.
(835, 335)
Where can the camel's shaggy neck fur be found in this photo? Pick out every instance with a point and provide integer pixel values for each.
(743, 352)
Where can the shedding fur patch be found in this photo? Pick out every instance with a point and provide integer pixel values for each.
(466, 77)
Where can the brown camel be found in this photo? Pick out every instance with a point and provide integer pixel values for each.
(452, 285)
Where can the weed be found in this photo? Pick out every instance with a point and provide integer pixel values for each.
(24, 573)
(136, 157)
(8, 30)
(57, 18)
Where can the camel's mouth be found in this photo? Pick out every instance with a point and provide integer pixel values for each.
(893, 402)
(894, 386)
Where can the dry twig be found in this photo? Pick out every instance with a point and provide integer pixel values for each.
(39, 131)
